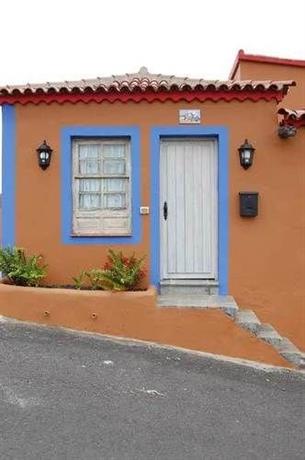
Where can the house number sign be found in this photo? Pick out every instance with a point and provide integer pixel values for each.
(189, 117)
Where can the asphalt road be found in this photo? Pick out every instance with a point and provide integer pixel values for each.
(69, 396)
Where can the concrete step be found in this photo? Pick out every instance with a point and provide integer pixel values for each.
(196, 301)
(302, 361)
(248, 320)
(296, 358)
(267, 333)
(286, 346)
(189, 287)
(229, 306)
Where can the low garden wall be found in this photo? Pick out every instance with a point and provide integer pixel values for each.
(89, 310)
(134, 314)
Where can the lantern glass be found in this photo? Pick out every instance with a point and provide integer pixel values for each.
(44, 152)
(246, 154)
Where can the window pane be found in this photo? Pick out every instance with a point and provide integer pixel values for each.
(89, 185)
(115, 200)
(89, 158)
(114, 150)
(115, 185)
(89, 201)
(114, 167)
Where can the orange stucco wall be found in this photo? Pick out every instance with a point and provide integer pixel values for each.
(266, 71)
(135, 315)
(266, 254)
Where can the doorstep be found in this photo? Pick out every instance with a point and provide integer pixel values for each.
(177, 299)
(189, 287)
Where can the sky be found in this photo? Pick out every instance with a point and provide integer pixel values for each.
(63, 40)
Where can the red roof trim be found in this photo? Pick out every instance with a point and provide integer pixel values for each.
(292, 117)
(242, 56)
(149, 96)
(297, 123)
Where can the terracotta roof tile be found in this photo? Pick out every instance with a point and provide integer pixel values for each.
(291, 114)
(143, 81)
(292, 117)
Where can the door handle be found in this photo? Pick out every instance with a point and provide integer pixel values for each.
(165, 210)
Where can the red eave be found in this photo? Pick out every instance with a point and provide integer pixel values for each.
(242, 56)
(292, 117)
(144, 86)
(148, 96)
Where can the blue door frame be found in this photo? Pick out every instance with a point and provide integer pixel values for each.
(8, 175)
(221, 133)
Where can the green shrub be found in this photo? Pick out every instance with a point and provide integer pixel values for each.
(120, 273)
(20, 269)
(93, 279)
(80, 280)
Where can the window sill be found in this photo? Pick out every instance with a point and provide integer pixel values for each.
(100, 235)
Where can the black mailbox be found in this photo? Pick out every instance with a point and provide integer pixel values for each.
(248, 204)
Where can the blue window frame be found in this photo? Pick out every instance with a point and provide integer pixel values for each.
(69, 133)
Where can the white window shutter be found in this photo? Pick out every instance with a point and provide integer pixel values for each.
(101, 187)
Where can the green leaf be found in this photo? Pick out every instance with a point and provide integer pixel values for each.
(21, 269)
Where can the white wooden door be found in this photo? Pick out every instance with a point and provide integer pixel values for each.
(188, 188)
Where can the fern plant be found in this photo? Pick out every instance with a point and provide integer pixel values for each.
(95, 278)
(20, 269)
(122, 273)
(80, 280)
(91, 279)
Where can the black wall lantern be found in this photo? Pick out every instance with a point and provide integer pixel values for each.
(246, 154)
(44, 153)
